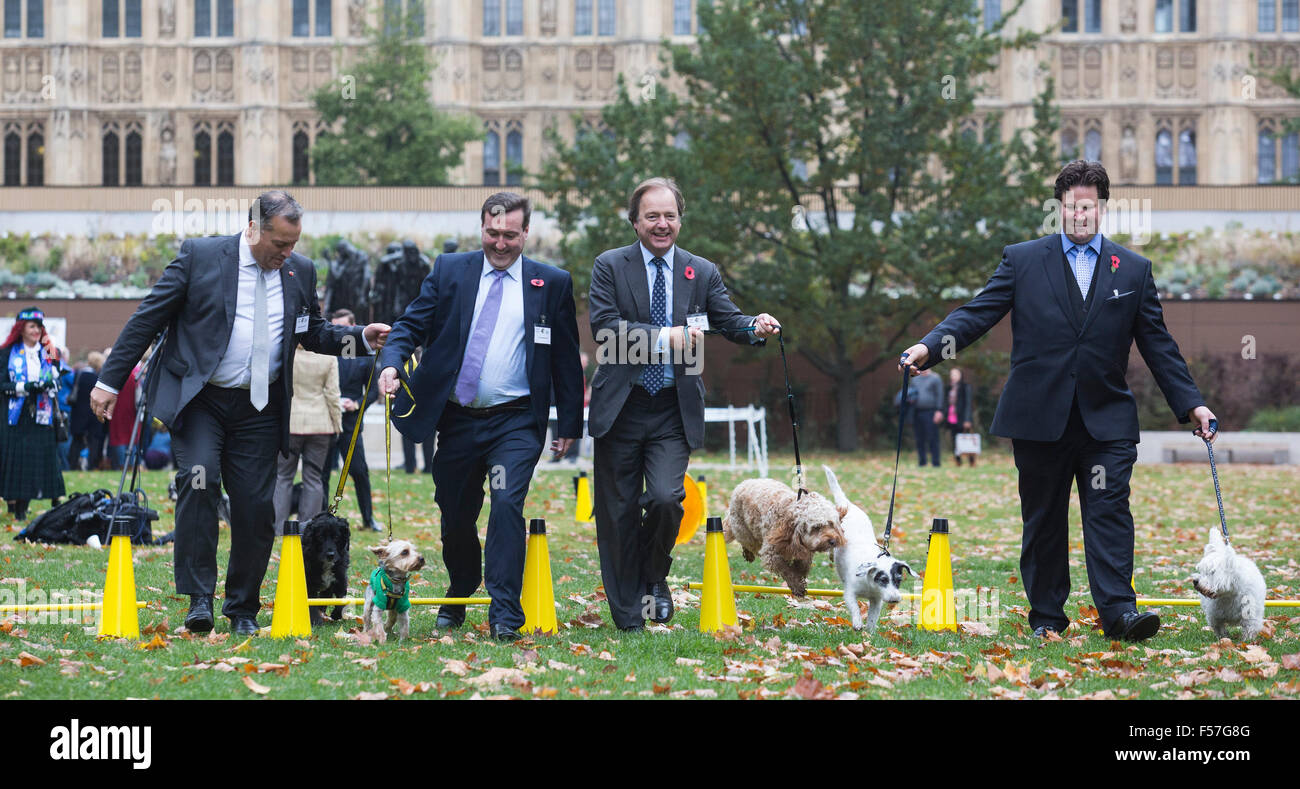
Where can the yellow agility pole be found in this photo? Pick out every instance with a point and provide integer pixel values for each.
(782, 590)
(21, 609)
(1197, 601)
(414, 601)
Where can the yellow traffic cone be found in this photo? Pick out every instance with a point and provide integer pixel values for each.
(119, 617)
(582, 486)
(938, 608)
(704, 500)
(538, 598)
(718, 600)
(290, 618)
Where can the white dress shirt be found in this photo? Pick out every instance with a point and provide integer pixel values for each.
(235, 370)
(504, 376)
(661, 343)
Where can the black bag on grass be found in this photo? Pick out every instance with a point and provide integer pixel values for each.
(65, 524)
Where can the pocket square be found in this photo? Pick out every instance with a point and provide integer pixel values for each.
(1118, 295)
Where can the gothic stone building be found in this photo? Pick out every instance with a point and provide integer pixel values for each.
(216, 92)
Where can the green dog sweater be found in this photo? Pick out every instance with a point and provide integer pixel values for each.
(384, 598)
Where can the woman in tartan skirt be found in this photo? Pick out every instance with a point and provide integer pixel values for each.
(29, 465)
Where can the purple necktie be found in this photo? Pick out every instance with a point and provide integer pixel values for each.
(476, 350)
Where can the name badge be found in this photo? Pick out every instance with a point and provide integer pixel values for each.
(300, 325)
(699, 320)
(541, 335)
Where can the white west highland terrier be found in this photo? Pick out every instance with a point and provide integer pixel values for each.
(1231, 589)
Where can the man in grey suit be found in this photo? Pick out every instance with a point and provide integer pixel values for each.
(650, 301)
(235, 308)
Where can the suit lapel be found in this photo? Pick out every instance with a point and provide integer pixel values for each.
(682, 286)
(1102, 282)
(533, 307)
(635, 272)
(230, 281)
(289, 296)
(1056, 276)
(469, 294)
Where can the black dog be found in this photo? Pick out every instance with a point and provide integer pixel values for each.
(326, 555)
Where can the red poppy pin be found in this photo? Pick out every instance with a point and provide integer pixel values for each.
(537, 283)
(1114, 263)
(290, 272)
(689, 273)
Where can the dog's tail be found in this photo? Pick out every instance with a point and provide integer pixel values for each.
(840, 499)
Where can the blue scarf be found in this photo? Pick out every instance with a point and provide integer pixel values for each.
(18, 374)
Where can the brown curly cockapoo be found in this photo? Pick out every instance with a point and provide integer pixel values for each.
(771, 521)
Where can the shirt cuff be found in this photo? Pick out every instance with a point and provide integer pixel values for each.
(106, 388)
(366, 345)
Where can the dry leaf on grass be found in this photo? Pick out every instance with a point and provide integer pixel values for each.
(260, 690)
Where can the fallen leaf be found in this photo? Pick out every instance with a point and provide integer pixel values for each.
(158, 642)
(368, 696)
(975, 628)
(26, 659)
(244, 647)
(809, 687)
(1291, 661)
(496, 676)
(260, 690)
(457, 667)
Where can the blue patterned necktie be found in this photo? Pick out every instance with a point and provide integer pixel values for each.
(652, 377)
(477, 348)
(1082, 270)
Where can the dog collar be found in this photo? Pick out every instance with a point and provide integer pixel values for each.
(397, 600)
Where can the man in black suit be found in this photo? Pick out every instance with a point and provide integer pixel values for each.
(235, 308)
(1078, 302)
(647, 414)
(500, 335)
(354, 373)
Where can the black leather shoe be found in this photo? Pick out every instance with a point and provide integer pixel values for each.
(633, 629)
(447, 622)
(1042, 630)
(1134, 626)
(505, 633)
(199, 619)
(663, 601)
(244, 625)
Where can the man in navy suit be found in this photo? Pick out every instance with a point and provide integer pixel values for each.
(1078, 302)
(500, 335)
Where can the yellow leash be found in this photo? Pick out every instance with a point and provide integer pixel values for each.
(356, 431)
(388, 463)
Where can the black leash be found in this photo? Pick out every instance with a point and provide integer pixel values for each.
(789, 396)
(1223, 521)
(898, 453)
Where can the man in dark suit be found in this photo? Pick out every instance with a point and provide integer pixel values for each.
(500, 335)
(354, 373)
(235, 308)
(647, 414)
(1078, 301)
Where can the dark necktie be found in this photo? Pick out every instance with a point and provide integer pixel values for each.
(652, 377)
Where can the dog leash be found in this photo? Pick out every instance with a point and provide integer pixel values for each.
(1223, 520)
(356, 431)
(388, 464)
(898, 453)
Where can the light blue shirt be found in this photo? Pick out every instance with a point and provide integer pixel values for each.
(504, 376)
(1092, 249)
(661, 344)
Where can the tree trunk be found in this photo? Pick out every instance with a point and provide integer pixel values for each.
(846, 410)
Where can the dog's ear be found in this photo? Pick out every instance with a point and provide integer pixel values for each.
(843, 511)
(863, 570)
(379, 550)
(909, 569)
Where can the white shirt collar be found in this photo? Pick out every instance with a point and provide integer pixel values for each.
(647, 255)
(513, 272)
(245, 251)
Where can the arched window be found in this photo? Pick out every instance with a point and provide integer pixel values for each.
(1290, 158)
(491, 17)
(1266, 157)
(36, 159)
(582, 17)
(301, 161)
(606, 22)
(514, 17)
(1164, 16)
(225, 159)
(514, 158)
(492, 159)
(1069, 145)
(202, 159)
(134, 159)
(1164, 158)
(111, 174)
(1186, 157)
(13, 159)
(1092, 145)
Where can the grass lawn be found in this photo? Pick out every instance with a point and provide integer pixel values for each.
(786, 647)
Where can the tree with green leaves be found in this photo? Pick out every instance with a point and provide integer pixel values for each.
(821, 148)
(384, 129)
